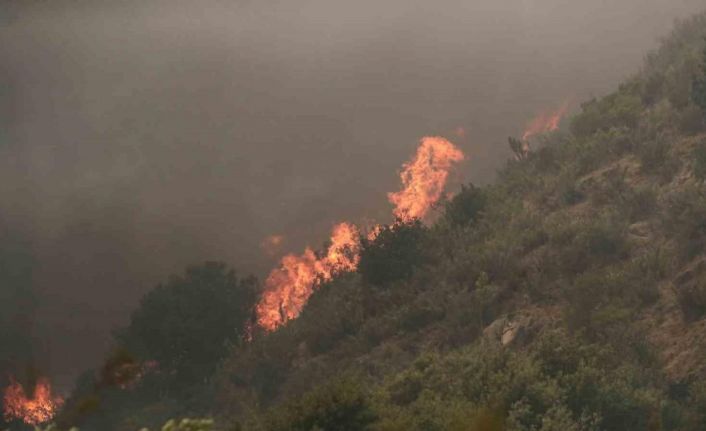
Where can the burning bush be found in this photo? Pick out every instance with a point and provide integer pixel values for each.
(34, 408)
(289, 286)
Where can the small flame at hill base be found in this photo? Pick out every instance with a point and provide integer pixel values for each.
(39, 409)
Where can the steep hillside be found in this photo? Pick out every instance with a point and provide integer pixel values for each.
(568, 295)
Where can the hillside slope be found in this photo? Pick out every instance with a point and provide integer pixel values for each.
(570, 294)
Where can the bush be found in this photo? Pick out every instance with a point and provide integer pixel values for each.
(334, 312)
(692, 299)
(186, 425)
(699, 160)
(466, 206)
(691, 120)
(339, 405)
(420, 314)
(685, 219)
(570, 193)
(589, 243)
(697, 402)
(620, 109)
(653, 88)
(394, 254)
(186, 324)
(691, 291)
(698, 85)
(635, 203)
(656, 159)
(601, 301)
(603, 146)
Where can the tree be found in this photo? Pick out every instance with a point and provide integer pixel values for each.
(394, 253)
(342, 405)
(698, 86)
(186, 324)
(466, 206)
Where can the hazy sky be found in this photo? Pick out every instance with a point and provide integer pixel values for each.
(139, 136)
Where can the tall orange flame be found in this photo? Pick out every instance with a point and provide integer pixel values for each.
(288, 288)
(545, 122)
(424, 178)
(33, 411)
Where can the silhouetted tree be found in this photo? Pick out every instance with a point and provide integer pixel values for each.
(186, 324)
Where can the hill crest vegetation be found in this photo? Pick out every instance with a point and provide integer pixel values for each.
(568, 295)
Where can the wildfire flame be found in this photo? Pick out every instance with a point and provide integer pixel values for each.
(424, 178)
(32, 411)
(545, 122)
(288, 287)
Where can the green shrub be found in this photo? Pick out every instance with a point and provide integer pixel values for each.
(690, 120)
(604, 299)
(656, 159)
(186, 324)
(421, 314)
(699, 160)
(657, 122)
(635, 203)
(593, 151)
(639, 203)
(620, 109)
(547, 159)
(187, 425)
(466, 206)
(685, 219)
(334, 312)
(589, 243)
(697, 402)
(342, 405)
(698, 85)
(653, 88)
(570, 193)
(692, 299)
(394, 254)
(691, 291)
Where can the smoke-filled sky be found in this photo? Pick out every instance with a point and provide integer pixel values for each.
(139, 136)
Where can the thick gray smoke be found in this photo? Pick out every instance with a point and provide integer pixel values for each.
(139, 136)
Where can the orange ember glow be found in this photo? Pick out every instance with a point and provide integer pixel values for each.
(272, 244)
(424, 178)
(373, 232)
(545, 122)
(288, 287)
(130, 374)
(33, 411)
